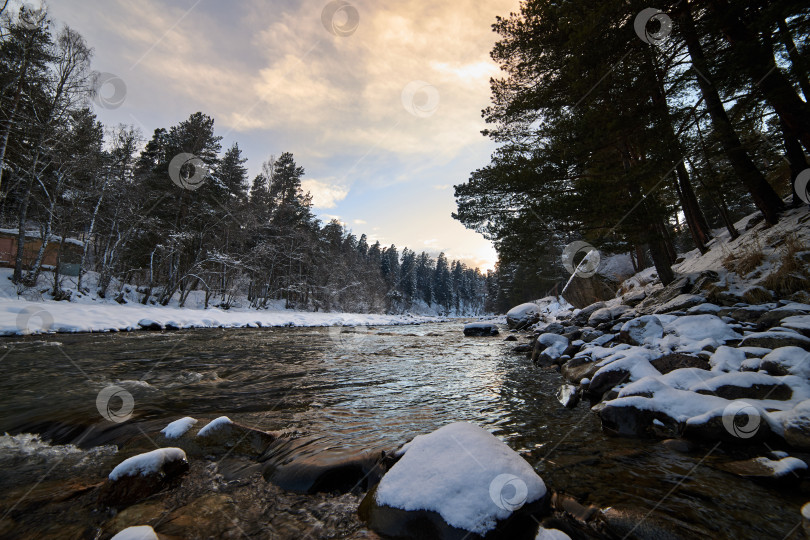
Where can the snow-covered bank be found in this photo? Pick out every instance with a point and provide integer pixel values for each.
(24, 317)
(33, 311)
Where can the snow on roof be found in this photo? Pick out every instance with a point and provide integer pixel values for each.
(36, 234)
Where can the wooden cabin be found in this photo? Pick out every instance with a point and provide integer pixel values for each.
(71, 251)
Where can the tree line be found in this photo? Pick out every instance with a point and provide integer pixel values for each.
(177, 214)
(637, 130)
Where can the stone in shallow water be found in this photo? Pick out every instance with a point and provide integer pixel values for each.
(309, 465)
(221, 435)
(568, 395)
(788, 470)
(579, 368)
(140, 476)
(480, 329)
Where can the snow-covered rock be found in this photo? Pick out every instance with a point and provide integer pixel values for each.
(460, 472)
(523, 315)
(549, 347)
(139, 532)
(607, 314)
(631, 365)
(800, 323)
(722, 420)
(700, 327)
(641, 330)
(178, 428)
(774, 338)
(796, 426)
(787, 361)
(744, 386)
(585, 313)
(680, 303)
(140, 476)
(551, 534)
(214, 425)
(767, 470)
(727, 359)
(148, 463)
(568, 395)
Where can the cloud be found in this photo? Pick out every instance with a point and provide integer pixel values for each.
(324, 193)
(359, 222)
(281, 70)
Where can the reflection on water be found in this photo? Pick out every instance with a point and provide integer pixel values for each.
(360, 390)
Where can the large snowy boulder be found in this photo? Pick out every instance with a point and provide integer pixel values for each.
(523, 315)
(459, 480)
(178, 428)
(139, 476)
(701, 327)
(480, 329)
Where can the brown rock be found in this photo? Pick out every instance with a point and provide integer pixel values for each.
(673, 361)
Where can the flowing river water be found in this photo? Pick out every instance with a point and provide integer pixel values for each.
(353, 392)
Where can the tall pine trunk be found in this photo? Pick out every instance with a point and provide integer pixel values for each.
(797, 63)
(695, 220)
(765, 198)
(768, 79)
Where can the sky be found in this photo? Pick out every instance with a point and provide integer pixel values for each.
(380, 102)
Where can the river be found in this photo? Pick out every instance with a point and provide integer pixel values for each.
(370, 389)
